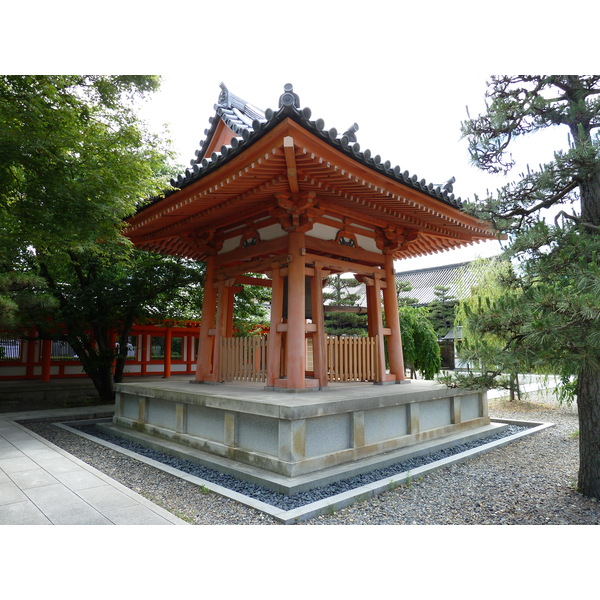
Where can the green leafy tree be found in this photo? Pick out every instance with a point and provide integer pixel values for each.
(103, 292)
(420, 346)
(75, 161)
(486, 332)
(552, 218)
(250, 308)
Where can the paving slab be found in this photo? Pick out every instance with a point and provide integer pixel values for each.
(42, 484)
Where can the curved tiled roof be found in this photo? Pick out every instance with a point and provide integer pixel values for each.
(250, 124)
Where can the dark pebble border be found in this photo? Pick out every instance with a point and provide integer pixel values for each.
(299, 499)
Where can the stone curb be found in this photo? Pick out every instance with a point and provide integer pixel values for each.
(333, 503)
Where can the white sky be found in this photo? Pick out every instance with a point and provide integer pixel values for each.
(404, 73)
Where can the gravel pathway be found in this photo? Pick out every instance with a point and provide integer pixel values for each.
(527, 482)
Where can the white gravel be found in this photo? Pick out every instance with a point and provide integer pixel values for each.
(527, 482)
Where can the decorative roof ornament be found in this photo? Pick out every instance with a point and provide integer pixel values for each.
(289, 98)
(247, 122)
(447, 185)
(351, 132)
(224, 96)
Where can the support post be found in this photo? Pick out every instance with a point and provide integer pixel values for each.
(392, 320)
(274, 357)
(296, 338)
(375, 324)
(220, 329)
(167, 350)
(318, 318)
(209, 303)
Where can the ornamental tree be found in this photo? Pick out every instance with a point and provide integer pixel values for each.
(551, 216)
(420, 346)
(75, 161)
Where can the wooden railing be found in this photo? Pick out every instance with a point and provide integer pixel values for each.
(163, 349)
(244, 358)
(348, 359)
(351, 358)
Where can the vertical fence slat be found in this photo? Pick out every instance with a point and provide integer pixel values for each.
(244, 359)
(351, 359)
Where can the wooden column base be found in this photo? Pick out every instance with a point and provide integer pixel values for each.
(309, 385)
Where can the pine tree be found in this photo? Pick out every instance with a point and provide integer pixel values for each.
(342, 292)
(551, 216)
(441, 310)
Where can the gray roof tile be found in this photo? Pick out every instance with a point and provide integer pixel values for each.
(249, 123)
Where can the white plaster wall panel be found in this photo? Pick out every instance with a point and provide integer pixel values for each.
(323, 232)
(230, 244)
(272, 232)
(367, 243)
(12, 371)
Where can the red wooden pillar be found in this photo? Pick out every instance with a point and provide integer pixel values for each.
(144, 353)
(167, 357)
(190, 352)
(296, 339)
(223, 294)
(274, 356)
(46, 359)
(392, 320)
(375, 323)
(318, 319)
(209, 304)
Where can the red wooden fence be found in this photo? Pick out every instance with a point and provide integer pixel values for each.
(152, 350)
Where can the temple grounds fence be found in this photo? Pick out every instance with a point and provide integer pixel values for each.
(151, 350)
(167, 350)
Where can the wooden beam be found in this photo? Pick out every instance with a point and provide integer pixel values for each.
(331, 308)
(253, 281)
(354, 254)
(342, 266)
(276, 246)
(290, 159)
(255, 266)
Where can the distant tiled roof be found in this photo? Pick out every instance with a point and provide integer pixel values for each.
(250, 123)
(459, 278)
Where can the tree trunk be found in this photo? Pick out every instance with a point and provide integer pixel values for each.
(588, 404)
(588, 389)
(590, 203)
(122, 354)
(102, 377)
(97, 363)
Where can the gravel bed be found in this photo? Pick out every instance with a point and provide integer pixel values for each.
(283, 501)
(529, 481)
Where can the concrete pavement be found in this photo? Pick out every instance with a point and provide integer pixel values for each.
(41, 484)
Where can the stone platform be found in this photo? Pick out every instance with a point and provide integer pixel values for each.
(298, 440)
